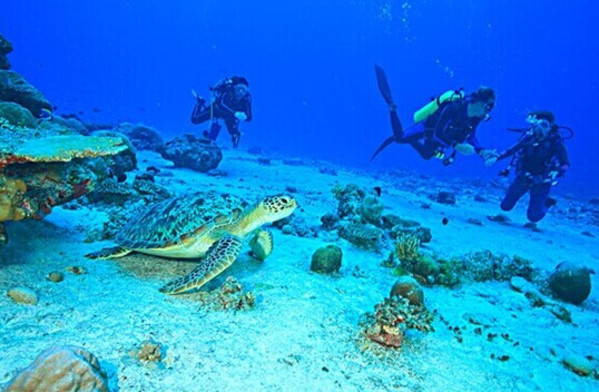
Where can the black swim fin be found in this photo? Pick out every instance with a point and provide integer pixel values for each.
(381, 80)
(383, 145)
(396, 126)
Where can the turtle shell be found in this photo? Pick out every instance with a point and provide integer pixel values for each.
(167, 222)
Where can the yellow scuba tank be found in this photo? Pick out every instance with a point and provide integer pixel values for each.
(431, 107)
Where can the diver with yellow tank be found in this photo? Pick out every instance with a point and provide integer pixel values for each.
(445, 125)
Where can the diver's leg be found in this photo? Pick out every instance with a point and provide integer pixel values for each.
(214, 130)
(425, 148)
(200, 113)
(537, 206)
(415, 136)
(233, 128)
(516, 190)
(414, 133)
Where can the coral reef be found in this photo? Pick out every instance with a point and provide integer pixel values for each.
(40, 169)
(360, 220)
(444, 197)
(16, 115)
(391, 319)
(5, 48)
(363, 236)
(141, 136)
(473, 267)
(14, 88)
(349, 197)
(60, 148)
(125, 160)
(326, 260)
(407, 248)
(230, 296)
(371, 210)
(12, 192)
(407, 287)
(149, 351)
(197, 154)
(570, 282)
(61, 369)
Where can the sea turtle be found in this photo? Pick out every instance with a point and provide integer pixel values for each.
(211, 226)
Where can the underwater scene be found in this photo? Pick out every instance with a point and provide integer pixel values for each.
(342, 195)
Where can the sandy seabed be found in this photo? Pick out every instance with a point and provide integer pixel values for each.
(301, 334)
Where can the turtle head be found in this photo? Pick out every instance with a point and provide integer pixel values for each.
(274, 208)
(268, 210)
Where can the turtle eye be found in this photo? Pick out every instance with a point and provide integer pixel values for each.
(284, 200)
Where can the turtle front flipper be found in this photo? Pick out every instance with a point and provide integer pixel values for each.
(109, 253)
(218, 258)
(261, 244)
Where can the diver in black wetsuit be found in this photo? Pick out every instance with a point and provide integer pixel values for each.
(539, 158)
(446, 123)
(231, 101)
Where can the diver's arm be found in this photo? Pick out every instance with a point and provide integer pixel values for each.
(248, 108)
(563, 158)
(473, 141)
(512, 150)
(221, 102)
(197, 110)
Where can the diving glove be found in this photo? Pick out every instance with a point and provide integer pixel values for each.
(241, 116)
(489, 156)
(198, 98)
(465, 148)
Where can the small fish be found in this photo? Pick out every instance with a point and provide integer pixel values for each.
(378, 191)
(444, 221)
(46, 114)
(96, 110)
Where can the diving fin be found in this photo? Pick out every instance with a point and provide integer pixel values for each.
(396, 126)
(383, 145)
(383, 84)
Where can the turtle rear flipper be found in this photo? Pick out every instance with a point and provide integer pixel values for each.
(109, 253)
(218, 258)
(261, 244)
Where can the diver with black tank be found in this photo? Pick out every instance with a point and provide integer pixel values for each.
(231, 101)
(539, 158)
(445, 125)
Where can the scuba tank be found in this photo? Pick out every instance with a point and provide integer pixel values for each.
(431, 107)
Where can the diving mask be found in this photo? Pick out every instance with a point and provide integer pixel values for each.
(539, 125)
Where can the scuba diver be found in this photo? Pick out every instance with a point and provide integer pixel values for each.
(445, 125)
(539, 157)
(231, 101)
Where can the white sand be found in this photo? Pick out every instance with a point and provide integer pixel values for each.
(301, 335)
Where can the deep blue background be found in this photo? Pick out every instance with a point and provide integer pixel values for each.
(310, 66)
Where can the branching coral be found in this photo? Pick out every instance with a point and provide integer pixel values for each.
(391, 319)
(407, 248)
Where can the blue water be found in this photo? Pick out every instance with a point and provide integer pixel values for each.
(310, 67)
